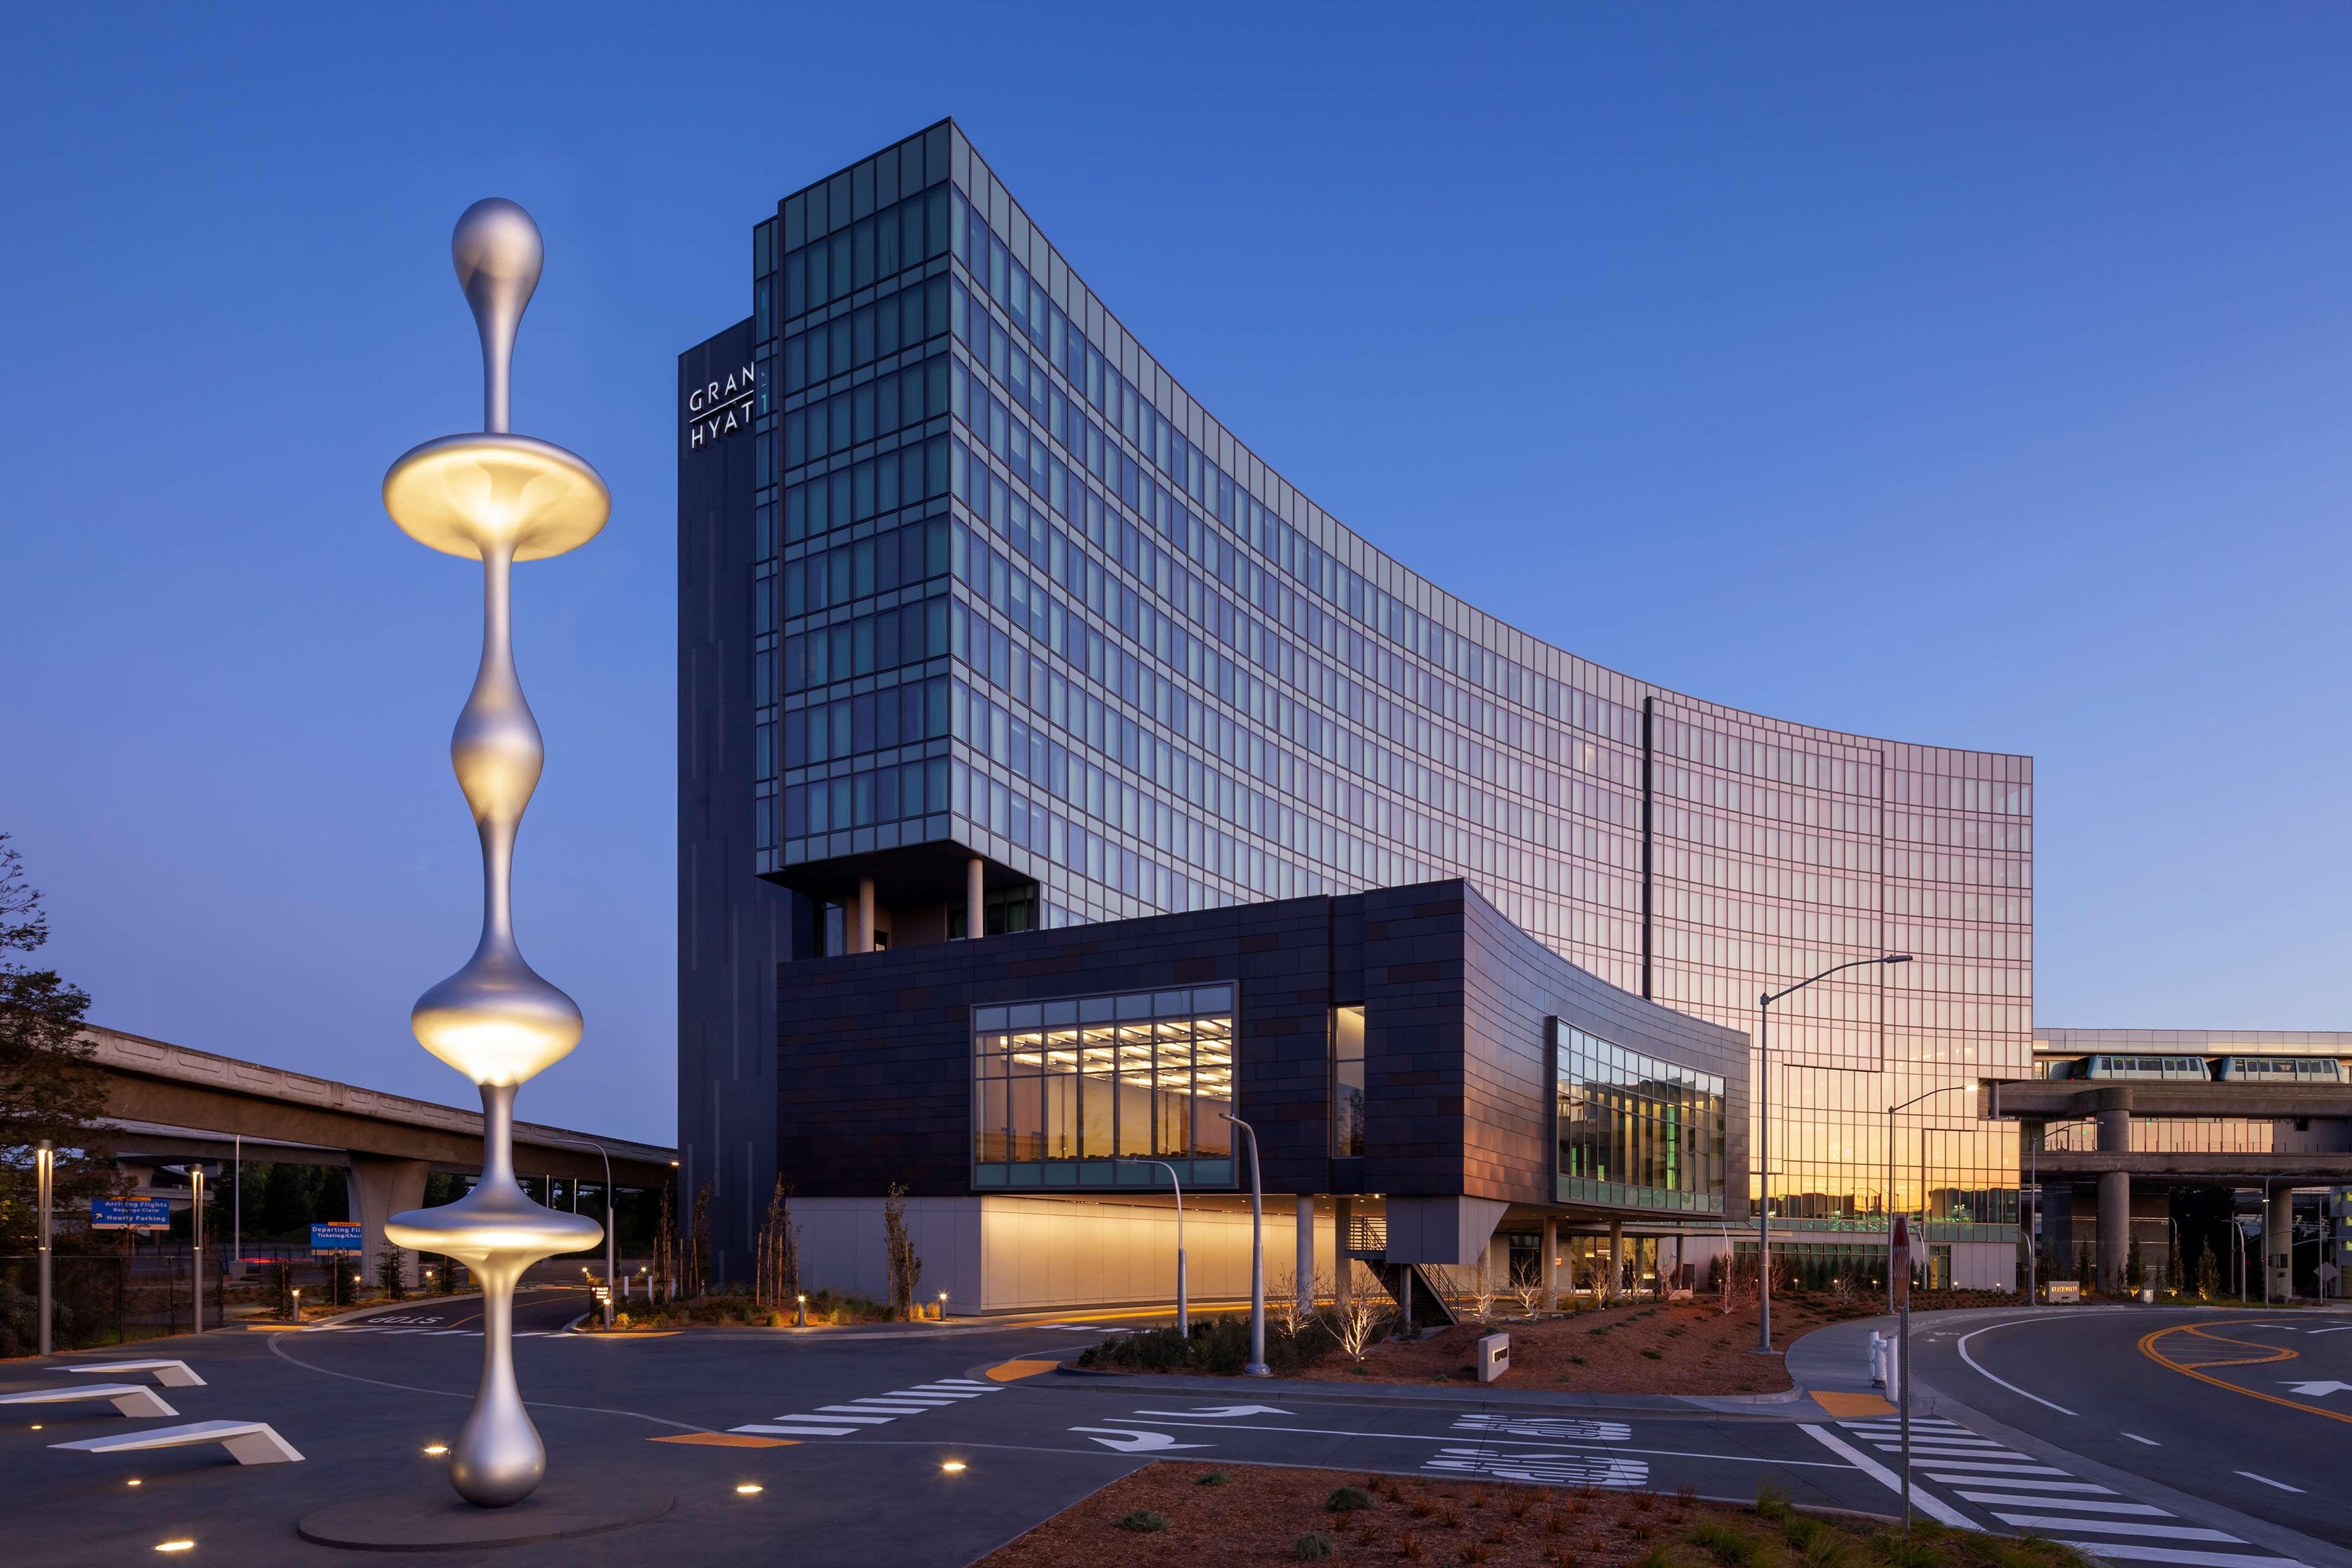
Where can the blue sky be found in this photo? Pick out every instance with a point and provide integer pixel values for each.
(1971, 378)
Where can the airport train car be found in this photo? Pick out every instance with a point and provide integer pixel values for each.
(2279, 1069)
(2164, 1069)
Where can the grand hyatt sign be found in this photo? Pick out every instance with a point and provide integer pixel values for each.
(719, 408)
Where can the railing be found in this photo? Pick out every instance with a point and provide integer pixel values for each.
(1366, 1234)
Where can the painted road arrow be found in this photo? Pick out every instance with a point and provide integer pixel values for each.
(1221, 1410)
(2321, 1390)
(1135, 1442)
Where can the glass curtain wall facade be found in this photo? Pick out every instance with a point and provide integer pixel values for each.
(1019, 594)
(1634, 1131)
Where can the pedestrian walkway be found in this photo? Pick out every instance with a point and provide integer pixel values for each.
(859, 1414)
(2025, 1494)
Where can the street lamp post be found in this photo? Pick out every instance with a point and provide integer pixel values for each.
(196, 1235)
(1256, 1367)
(1891, 1109)
(610, 1219)
(1764, 1135)
(1183, 1315)
(45, 1180)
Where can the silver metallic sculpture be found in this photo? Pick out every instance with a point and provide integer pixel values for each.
(498, 498)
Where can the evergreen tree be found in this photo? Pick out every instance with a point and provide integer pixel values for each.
(48, 1086)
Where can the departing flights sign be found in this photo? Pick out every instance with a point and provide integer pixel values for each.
(130, 1214)
(334, 1238)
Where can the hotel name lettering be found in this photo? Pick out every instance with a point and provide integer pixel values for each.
(719, 408)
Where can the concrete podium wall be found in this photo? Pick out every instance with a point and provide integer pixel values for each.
(1019, 1253)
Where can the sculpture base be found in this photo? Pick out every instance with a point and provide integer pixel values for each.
(439, 1520)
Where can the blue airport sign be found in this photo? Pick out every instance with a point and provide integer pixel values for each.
(130, 1214)
(334, 1238)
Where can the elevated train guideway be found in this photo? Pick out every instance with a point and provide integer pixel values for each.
(2312, 1146)
(171, 1102)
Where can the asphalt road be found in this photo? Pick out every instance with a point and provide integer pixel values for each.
(848, 1433)
(2249, 1411)
(855, 1428)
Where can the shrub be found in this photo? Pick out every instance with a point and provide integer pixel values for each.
(1143, 1521)
(1655, 1355)
(1214, 1479)
(1345, 1499)
(1732, 1548)
(1312, 1547)
(1773, 1502)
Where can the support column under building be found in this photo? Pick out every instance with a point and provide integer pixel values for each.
(1616, 1259)
(1552, 1263)
(975, 898)
(2278, 1244)
(2115, 1191)
(1343, 1267)
(862, 940)
(1303, 1287)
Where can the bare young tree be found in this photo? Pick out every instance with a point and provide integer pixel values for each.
(778, 1280)
(1285, 1308)
(1360, 1320)
(905, 1268)
(697, 1246)
(1527, 1285)
(1482, 1286)
(664, 1268)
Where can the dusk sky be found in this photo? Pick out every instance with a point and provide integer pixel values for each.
(1977, 378)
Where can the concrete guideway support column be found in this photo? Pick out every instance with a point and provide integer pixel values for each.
(2278, 1244)
(380, 1188)
(2114, 1116)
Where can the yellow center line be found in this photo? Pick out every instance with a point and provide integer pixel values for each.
(2148, 1347)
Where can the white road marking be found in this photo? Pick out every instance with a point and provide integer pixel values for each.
(1127, 1442)
(2132, 1550)
(1990, 1470)
(2268, 1482)
(872, 1406)
(2317, 1390)
(2020, 1484)
(2081, 1505)
(1223, 1412)
(1933, 1508)
(1565, 1429)
(2317, 1332)
(838, 1414)
(2138, 1438)
(1963, 1348)
(1417, 1437)
(1547, 1469)
(784, 1431)
(2117, 1527)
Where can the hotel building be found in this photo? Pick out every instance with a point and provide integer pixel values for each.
(1055, 777)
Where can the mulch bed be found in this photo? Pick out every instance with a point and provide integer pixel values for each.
(1171, 1515)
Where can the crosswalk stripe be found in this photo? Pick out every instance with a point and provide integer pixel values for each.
(1936, 1439)
(894, 1406)
(966, 1383)
(2019, 1483)
(840, 1415)
(914, 1396)
(2117, 1527)
(781, 1430)
(2138, 1554)
(2083, 1505)
(1881, 1424)
(1990, 1468)
(930, 1393)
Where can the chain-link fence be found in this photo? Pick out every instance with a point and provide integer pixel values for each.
(107, 1299)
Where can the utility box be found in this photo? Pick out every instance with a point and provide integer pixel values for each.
(1494, 1357)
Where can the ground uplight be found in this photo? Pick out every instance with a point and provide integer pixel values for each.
(182, 1545)
(435, 1450)
(954, 1466)
(750, 1488)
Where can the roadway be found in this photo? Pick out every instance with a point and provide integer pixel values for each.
(848, 1432)
(2245, 1410)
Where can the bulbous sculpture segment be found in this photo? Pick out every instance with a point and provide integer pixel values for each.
(497, 1233)
(499, 252)
(495, 1020)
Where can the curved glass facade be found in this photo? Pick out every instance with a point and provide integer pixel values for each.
(1016, 593)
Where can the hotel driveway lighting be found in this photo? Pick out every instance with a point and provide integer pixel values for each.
(1183, 1317)
(497, 498)
(1256, 1367)
(1764, 1134)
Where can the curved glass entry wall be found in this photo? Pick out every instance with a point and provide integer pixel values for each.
(1173, 682)
(1635, 1131)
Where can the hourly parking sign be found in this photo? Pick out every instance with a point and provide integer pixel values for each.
(130, 1214)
